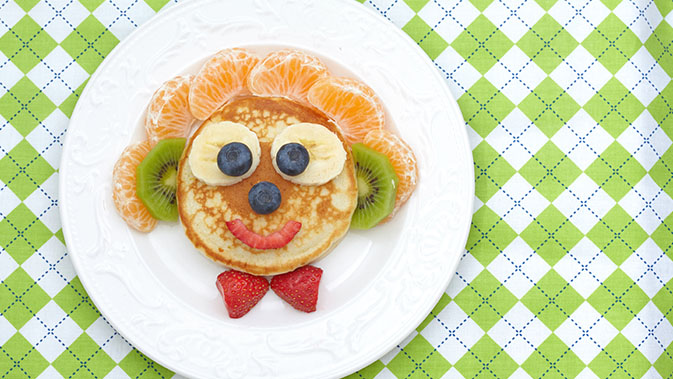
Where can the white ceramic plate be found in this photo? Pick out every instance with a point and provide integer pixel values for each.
(378, 285)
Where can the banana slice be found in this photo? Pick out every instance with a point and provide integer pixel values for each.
(326, 153)
(206, 146)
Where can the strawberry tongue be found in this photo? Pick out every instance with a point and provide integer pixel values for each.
(275, 240)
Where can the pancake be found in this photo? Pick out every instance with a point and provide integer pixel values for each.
(324, 211)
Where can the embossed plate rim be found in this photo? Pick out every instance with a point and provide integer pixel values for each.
(114, 254)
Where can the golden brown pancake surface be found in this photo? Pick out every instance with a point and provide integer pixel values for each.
(324, 211)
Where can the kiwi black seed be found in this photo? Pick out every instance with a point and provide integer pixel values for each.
(156, 179)
(377, 186)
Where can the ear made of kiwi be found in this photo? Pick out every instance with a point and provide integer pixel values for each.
(377, 187)
(156, 179)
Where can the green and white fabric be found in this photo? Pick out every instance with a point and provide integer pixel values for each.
(568, 268)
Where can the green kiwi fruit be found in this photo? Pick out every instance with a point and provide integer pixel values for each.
(156, 179)
(377, 186)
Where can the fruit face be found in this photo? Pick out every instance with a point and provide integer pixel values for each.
(264, 198)
(292, 159)
(234, 159)
(144, 178)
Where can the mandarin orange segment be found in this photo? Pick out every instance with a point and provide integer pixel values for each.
(289, 73)
(129, 206)
(222, 77)
(168, 114)
(403, 160)
(352, 104)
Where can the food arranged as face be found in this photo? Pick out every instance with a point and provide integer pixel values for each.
(226, 153)
(288, 158)
(291, 200)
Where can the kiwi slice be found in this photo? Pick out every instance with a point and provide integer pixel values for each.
(156, 179)
(377, 186)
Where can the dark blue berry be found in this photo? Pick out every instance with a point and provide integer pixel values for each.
(292, 159)
(234, 159)
(264, 197)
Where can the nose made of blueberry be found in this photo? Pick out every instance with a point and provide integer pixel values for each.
(235, 159)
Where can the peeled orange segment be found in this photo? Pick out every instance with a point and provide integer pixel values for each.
(289, 73)
(168, 114)
(222, 77)
(403, 160)
(352, 104)
(129, 206)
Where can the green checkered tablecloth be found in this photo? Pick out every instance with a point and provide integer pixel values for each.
(568, 268)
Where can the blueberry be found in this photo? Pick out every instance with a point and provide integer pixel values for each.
(234, 159)
(292, 159)
(264, 197)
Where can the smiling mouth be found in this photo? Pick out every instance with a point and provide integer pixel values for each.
(275, 240)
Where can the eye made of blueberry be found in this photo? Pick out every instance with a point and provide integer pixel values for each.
(224, 153)
(308, 154)
(292, 159)
(234, 159)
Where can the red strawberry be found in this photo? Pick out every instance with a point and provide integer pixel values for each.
(274, 240)
(299, 287)
(241, 291)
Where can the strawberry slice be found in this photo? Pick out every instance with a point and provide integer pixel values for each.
(241, 291)
(299, 287)
(275, 240)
